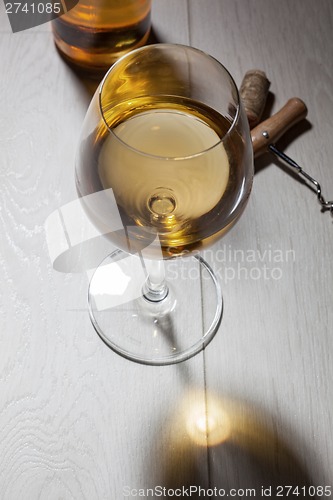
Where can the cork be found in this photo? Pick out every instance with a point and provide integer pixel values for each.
(253, 92)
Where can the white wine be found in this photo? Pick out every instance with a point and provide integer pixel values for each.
(170, 171)
(179, 183)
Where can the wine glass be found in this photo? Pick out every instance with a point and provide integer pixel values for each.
(164, 168)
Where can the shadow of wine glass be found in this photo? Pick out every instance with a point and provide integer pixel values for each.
(230, 448)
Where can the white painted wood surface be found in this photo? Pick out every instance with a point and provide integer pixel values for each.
(79, 422)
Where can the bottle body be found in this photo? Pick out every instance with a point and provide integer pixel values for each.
(93, 35)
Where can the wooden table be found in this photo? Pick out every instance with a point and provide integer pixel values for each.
(78, 421)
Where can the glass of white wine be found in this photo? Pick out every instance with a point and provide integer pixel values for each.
(164, 169)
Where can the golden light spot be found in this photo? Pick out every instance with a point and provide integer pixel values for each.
(207, 422)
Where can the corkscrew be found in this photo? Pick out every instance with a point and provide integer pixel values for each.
(253, 92)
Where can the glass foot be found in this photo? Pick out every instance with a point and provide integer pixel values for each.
(161, 332)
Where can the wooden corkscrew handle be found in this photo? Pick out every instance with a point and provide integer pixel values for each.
(270, 130)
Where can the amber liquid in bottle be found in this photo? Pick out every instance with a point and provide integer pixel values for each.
(94, 34)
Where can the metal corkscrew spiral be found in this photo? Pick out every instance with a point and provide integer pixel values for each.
(326, 205)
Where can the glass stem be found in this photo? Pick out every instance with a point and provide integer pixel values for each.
(155, 288)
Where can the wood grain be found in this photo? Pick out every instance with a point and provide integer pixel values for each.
(79, 422)
(271, 356)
